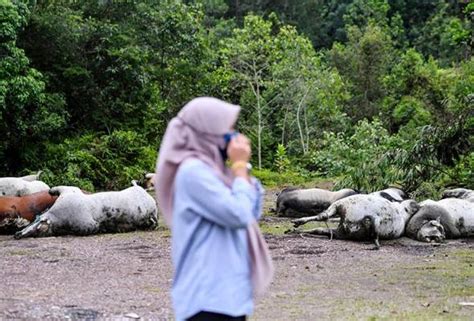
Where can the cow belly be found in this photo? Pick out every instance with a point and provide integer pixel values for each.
(391, 228)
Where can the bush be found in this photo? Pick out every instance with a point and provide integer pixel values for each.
(92, 162)
(362, 159)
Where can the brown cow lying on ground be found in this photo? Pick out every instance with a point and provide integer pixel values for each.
(16, 212)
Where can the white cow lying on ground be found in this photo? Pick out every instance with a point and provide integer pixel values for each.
(32, 177)
(82, 214)
(364, 217)
(462, 193)
(20, 186)
(448, 218)
(392, 194)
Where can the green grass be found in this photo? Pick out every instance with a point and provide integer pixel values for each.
(436, 288)
(20, 252)
(271, 179)
(279, 227)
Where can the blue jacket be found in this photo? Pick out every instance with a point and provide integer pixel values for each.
(209, 242)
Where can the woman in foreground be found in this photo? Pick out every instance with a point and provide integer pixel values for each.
(221, 261)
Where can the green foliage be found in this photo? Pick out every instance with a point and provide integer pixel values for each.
(107, 162)
(275, 74)
(410, 114)
(87, 88)
(272, 179)
(361, 13)
(434, 151)
(446, 36)
(364, 63)
(28, 113)
(282, 162)
(359, 159)
(116, 68)
(462, 173)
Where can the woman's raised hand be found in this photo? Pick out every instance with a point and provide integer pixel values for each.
(239, 149)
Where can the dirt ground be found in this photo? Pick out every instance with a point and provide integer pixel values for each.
(128, 277)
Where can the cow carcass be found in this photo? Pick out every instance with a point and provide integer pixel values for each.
(295, 202)
(392, 194)
(364, 217)
(16, 212)
(20, 186)
(436, 221)
(462, 193)
(78, 213)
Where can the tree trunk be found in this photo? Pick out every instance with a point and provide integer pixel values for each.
(259, 126)
(284, 125)
(300, 129)
(306, 129)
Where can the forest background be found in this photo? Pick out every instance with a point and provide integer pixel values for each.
(366, 93)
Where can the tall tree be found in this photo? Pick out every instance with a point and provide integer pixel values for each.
(28, 114)
(248, 55)
(364, 61)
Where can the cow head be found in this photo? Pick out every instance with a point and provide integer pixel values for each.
(431, 231)
(149, 181)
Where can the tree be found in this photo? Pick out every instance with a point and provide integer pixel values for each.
(364, 61)
(120, 63)
(28, 114)
(248, 56)
(305, 89)
(445, 36)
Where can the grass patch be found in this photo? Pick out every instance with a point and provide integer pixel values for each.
(20, 252)
(275, 228)
(432, 290)
(452, 274)
(163, 231)
(366, 309)
(279, 227)
(154, 289)
(271, 179)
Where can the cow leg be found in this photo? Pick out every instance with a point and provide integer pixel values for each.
(280, 209)
(304, 220)
(330, 212)
(377, 244)
(369, 223)
(40, 227)
(329, 232)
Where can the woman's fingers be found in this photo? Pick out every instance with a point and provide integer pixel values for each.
(239, 149)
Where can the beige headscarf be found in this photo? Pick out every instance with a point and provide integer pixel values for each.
(197, 132)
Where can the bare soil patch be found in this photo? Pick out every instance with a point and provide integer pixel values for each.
(128, 276)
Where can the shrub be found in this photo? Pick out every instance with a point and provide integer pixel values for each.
(93, 162)
(362, 159)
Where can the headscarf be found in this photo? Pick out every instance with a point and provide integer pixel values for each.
(197, 132)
